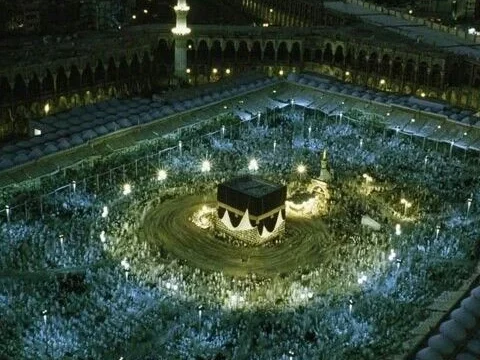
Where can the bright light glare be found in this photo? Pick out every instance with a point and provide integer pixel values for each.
(127, 189)
(406, 203)
(367, 178)
(206, 166)
(46, 108)
(105, 212)
(103, 238)
(228, 71)
(392, 255)
(301, 169)
(398, 229)
(362, 279)
(253, 165)
(161, 175)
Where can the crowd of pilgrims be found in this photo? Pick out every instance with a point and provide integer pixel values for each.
(78, 285)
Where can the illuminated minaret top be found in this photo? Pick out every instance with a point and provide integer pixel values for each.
(181, 11)
(179, 32)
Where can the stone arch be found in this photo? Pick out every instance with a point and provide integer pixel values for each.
(34, 87)
(162, 71)
(62, 80)
(362, 60)
(190, 52)
(19, 88)
(339, 57)
(202, 52)
(87, 97)
(100, 95)
(397, 71)
(318, 56)
(135, 66)
(100, 72)
(436, 76)
(454, 74)
(242, 53)
(62, 103)
(349, 58)
(307, 54)
(256, 52)
(373, 63)
(164, 52)
(87, 76)
(111, 70)
(75, 100)
(269, 52)
(48, 85)
(229, 52)
(216, 52)
(409, 72)
(36, 109)
(422, 73)
(146, 64)
(75, 79)
(295, 53)
(328, 54)
(112, 91)
(384, 68)
(282, 52)
(5, 90)
(123, 69)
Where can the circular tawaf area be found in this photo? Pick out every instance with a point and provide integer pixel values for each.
(167, 225)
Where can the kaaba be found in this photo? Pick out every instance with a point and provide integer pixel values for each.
(251, 209)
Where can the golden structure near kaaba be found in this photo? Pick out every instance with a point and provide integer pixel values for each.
(251, 209)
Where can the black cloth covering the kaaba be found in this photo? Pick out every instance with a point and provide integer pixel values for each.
(253, 193)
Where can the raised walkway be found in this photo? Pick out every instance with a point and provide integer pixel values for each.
(420, 30)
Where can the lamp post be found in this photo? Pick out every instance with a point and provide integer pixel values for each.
(223, 131)
(437, 231)
(200, 308)
(74, 185)
(274, 146)
(180, 146)
(7, 211)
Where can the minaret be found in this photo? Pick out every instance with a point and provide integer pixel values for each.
(179, 32)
